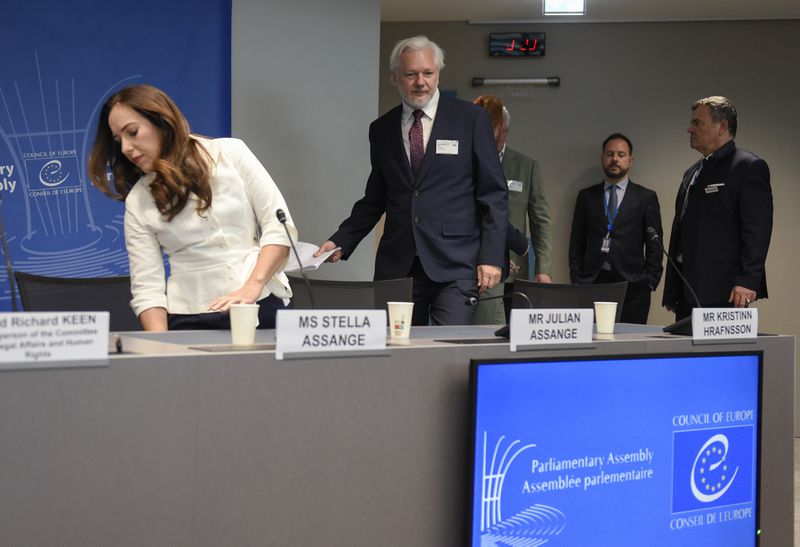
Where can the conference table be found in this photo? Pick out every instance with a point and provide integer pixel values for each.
(181, 441)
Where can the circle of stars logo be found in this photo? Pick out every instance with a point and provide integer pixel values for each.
(51, 173)
(711, 476)
(713, 454)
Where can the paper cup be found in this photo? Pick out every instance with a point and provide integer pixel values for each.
(400, 318)
(605, 314)
(244, 320)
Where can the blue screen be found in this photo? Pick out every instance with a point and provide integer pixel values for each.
(656, 451)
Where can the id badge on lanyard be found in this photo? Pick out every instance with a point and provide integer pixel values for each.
(605, 246)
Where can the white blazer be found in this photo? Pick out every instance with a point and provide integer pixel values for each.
(212, 253)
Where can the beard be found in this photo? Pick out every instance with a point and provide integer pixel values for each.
(416, 101)
(617, 173)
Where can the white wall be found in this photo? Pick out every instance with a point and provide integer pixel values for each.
(305, 88)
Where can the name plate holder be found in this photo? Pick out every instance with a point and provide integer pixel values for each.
(724, 326)
(46, 340)
(547, 329)
(320, 334)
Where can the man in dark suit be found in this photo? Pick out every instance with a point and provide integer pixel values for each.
(723, 217)
(609, 241)
(437, 176)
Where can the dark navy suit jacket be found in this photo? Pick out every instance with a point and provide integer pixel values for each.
(453, 214)
(724, 235)
(633, 254)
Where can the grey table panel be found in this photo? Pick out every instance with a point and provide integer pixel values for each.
(191, 448)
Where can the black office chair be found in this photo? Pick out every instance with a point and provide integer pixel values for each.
(558, 296)
(350, 295)
(111, 294)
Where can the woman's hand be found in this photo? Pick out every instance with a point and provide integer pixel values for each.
(270, 259)
(247, 294)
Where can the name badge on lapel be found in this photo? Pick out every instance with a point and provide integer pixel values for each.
(514, 186)
(714, 188)
(447, 147)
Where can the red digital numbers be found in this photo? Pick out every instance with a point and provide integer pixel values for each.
(525, 45)
(517, 44)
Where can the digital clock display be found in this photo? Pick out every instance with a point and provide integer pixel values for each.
(516, 44)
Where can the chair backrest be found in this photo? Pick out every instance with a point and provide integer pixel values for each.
(348, 295)
(558, 296)
(111, 294)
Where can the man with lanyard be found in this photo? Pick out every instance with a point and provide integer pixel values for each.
(609, 241)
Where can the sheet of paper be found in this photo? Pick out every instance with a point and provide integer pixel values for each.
(309, 261)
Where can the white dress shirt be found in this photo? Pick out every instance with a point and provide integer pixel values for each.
(211, 253)
(407, 119)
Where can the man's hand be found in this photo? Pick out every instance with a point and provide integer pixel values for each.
(741, 297)
(327, 246)
(488, 276)
(671, 308)
(543, 278)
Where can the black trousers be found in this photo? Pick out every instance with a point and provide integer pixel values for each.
(441, 303)
(636, 307)
(268, 307)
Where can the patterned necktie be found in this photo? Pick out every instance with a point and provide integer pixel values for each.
(416, 142)
(612, 201)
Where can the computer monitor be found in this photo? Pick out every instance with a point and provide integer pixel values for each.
(657, 450)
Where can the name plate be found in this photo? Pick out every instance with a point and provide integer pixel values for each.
(42, 339)
(709, 324)
(303, 333)
(550, 327)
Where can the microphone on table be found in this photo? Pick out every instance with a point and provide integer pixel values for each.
(503, 331)
(282, 219)
(683, 326)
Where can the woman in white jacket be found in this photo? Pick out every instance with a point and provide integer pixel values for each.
(209, 205)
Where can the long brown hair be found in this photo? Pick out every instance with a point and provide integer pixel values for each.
(183, 167)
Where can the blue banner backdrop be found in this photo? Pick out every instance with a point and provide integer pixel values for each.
(61, 60)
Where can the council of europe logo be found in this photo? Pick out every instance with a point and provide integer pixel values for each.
(712, 468)
(47, 172)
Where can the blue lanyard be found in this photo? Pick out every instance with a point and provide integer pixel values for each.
(608, 214)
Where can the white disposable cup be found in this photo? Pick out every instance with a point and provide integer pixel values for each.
(244, 320)
(605, 313)
(400, 318)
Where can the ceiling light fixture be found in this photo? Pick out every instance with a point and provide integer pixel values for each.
(564, 7)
